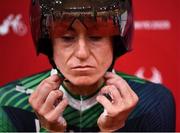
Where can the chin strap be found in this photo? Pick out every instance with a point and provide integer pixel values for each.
(56, 71)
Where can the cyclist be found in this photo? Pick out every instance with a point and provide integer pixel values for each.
(82, 40)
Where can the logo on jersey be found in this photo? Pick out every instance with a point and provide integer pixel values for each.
(156, 75)
(16, 23)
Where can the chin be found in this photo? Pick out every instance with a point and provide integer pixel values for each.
(84, 81)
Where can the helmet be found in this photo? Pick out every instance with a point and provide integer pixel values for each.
(117, 13)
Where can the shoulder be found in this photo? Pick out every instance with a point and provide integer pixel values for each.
(16, 93)
(155, 110)
(150, 94)
(144, 86)
(16, 113)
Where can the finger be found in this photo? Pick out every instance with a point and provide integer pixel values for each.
(104, 102)
(44, 91)
(109, 75)
(121, 85)
(54, 78)
(113, 92)
(50, 101)
(59, 109)
(125, 90)
(62, 121)
(39, 96)
(51, 83)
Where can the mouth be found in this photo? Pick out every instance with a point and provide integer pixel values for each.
(83, 68)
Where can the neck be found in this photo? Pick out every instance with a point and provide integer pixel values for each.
(83, 90)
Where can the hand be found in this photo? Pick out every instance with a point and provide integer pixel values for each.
(48, 103)
(123, 101)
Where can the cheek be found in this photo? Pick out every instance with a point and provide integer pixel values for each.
(62, 57)
(106, 57)
(58, 56)
(107, 62)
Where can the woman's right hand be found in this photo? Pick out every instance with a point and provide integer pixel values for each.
(48, 103)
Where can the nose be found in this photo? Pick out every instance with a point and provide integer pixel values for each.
(82, 51)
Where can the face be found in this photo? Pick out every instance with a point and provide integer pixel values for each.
(82, 55)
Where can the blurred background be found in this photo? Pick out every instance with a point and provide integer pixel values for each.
(155, 55)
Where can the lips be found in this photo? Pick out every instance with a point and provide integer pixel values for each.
(82, 67)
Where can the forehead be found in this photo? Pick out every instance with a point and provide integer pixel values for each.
(100, 26)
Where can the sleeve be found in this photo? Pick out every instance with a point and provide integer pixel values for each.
(5, 122)
(162, 114)
(167, 111)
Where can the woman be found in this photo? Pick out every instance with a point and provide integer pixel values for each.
(82, 40)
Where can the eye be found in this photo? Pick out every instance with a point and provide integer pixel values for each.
(68, 38)
(95, 38)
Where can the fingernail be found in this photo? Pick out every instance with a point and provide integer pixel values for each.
(98, 98)
(55, 77)
(107, 73)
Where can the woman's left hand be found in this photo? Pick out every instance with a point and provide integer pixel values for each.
(121, 103)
